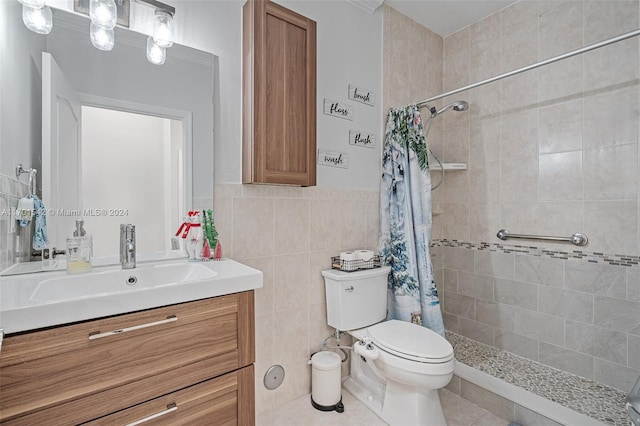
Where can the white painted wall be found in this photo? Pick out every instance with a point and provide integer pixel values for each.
(349, 51)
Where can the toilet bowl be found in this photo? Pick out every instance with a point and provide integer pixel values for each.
(396, 367)
(409, 363)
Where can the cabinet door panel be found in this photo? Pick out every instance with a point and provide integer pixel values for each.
(296, 82)
(275, 85)
(212, 402)
(50, 368)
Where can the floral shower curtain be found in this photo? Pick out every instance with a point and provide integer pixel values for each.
(405, 221)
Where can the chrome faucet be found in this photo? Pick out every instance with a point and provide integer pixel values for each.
(128, 246)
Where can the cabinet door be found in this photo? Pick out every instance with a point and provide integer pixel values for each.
(279, 125)
(220, 401)
(70, 374)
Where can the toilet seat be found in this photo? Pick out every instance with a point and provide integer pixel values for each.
(411, 341)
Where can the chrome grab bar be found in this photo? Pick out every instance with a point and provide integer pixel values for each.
(170, 408)
(98, 335)
(576, 239)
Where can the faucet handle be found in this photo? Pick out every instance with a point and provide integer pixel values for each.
(127, 228)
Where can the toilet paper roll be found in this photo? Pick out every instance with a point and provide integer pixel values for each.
(365, 255)
(348, 255)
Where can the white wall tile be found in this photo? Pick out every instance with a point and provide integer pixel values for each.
(564, 168)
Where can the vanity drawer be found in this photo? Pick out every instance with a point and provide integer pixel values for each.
(218, 401)
(149, 353)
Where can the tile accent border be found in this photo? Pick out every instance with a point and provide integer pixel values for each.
(591, 257)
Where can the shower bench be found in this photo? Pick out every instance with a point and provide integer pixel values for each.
(528, 392)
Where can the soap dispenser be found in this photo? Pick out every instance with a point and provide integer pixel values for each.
(79, 250)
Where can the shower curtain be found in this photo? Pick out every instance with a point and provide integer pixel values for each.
(405, 221)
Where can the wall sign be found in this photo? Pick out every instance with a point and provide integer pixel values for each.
(337, 109)
(359, 138)
(359, 94)
(333, 158)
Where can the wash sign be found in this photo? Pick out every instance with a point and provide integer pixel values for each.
(333, 159)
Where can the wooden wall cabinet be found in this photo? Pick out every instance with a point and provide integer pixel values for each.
(196, 369)
(279, 95)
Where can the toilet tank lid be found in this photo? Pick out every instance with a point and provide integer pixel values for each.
(339, 275)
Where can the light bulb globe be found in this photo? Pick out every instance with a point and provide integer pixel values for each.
(101, 38)
(38, 20)
(103, 13)
(163, 28)
(155, 54)
(38, 4)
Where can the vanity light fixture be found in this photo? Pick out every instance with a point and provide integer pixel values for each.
(105, 15)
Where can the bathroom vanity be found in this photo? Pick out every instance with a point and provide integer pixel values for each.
(183, 363)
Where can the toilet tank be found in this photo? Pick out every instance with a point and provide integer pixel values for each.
(356, 299)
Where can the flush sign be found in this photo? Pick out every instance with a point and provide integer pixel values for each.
(359, 138)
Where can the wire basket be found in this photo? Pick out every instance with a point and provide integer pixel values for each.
(355, 265)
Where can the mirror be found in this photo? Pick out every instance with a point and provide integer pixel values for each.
(144, 132)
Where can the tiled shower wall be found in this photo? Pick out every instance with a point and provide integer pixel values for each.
(572, 314)
(11, 190)
(290, 235)
(552, 151)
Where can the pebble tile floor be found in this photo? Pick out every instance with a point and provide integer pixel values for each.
(458, 412)
(596, 400)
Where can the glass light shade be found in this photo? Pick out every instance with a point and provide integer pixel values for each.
(101, 38)
(103, 13)
(38, 4)
(163, 29)
(38, 20)
(155, 54)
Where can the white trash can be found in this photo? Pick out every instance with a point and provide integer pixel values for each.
(326, 382)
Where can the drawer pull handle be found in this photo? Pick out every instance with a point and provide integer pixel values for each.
(170, 408)
(98, 335)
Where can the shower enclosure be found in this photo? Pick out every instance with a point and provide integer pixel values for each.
(551, 142)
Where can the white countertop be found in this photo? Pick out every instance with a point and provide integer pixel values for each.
(22, 306)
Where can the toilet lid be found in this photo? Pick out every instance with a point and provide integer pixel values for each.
(405, 338)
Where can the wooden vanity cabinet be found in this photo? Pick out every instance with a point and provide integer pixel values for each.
(191, 362)
(279, 95)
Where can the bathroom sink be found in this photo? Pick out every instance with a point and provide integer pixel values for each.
(119, 281)
(32, 301)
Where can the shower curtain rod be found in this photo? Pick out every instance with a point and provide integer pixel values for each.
(532, 66)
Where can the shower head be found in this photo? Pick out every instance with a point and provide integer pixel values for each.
(456, 106)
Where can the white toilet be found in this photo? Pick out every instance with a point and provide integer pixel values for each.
(397, 367)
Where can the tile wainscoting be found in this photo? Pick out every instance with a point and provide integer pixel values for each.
(290, 233)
